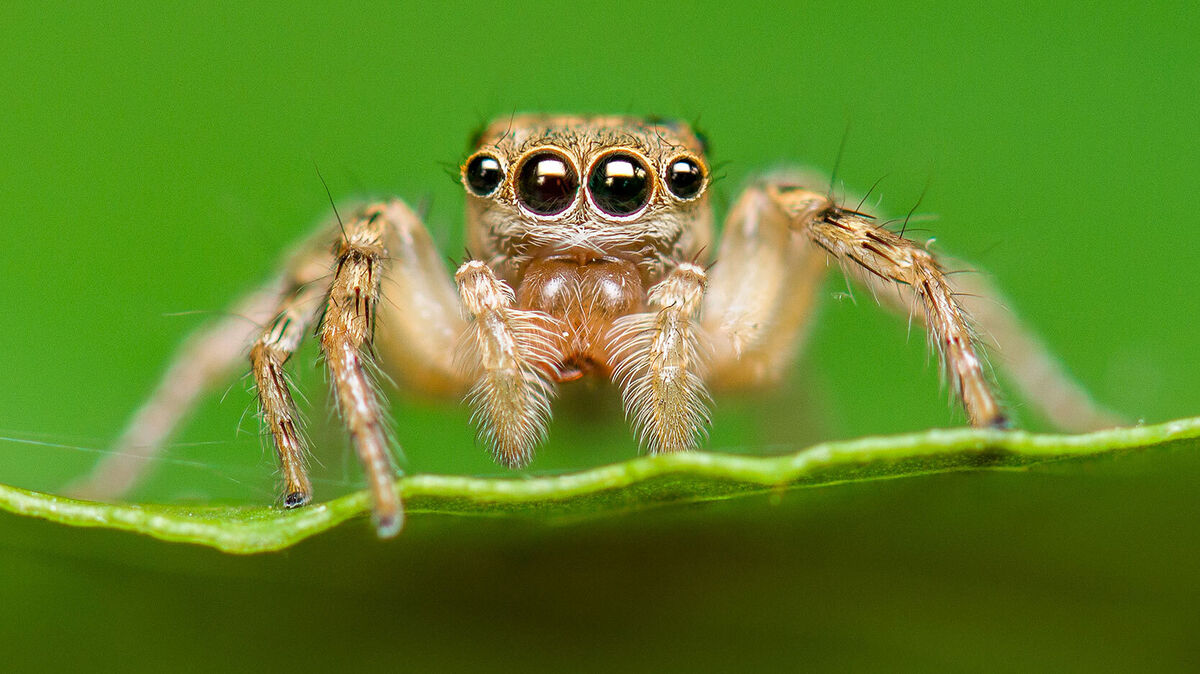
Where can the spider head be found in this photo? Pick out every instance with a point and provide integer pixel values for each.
(592, 187)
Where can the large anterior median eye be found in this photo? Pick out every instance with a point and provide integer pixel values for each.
(483, 174)
(547, 183)
(620, 184)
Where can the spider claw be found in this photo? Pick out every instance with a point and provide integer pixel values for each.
(388, 525)
(1000, 422)
(296, 499)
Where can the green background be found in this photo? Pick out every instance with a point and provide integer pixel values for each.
(156, 160)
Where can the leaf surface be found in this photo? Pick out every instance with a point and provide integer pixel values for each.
(638, 483)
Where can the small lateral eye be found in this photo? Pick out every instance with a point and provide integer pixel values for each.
(685, 178)
(547, 183)
(620, 184)
(483, 174)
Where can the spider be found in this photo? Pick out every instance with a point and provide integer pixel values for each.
(591, 246)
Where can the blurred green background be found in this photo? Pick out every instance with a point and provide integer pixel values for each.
(157, 159)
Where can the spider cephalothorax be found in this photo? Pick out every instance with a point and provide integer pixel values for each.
(580, 218)
(591, 253)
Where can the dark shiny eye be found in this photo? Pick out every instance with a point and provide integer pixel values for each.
(620, 184)
(685, 178)
(484, 174)
(547, 183)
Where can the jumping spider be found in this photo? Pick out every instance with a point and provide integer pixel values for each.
(591, 240)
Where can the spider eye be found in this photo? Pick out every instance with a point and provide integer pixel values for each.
(685, 178)
(620, 184)
(483, 174)
(547, 183)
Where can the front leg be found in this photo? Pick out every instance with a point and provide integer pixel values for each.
(660, 359)
(861, 245)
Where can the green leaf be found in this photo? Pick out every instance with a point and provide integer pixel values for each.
(637, 483)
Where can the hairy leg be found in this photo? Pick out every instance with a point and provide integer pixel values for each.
(863, 247)
(346, 333)
(660, 363)
(277, 408)
(767, 292)
(419, 318)
(383, 248)
(766, 275)
(209, 358)
(1018, 354)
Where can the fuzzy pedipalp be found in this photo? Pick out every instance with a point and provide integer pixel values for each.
(660, 358)
(510, 352)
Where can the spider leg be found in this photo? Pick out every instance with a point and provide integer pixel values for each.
(660, 360)
(420, 317)
(346, 332)
(384, 252)
(777, 243)
(761, 293)
(865, 248)
(277, 408)
(207, 359)
(510, 353)
(1040, 378)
